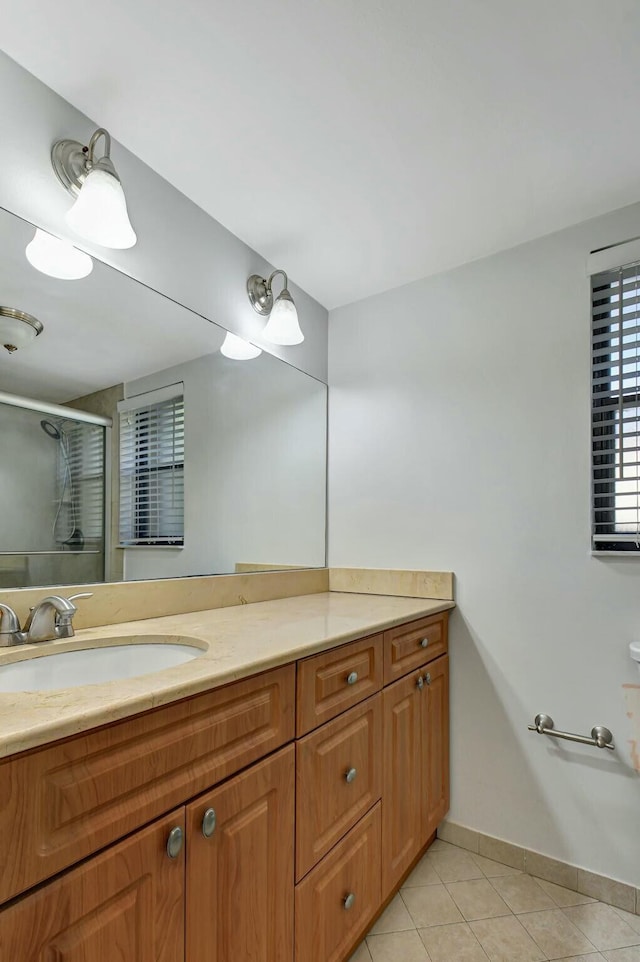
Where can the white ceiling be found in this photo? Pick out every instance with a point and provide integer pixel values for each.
(360, 144)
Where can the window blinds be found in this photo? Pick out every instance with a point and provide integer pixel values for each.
(80, 467)
(615, 409)
(152, 470)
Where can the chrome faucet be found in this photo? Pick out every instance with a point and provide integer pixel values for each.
(50, 619)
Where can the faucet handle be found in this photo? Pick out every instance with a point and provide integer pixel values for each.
(8, 620)
(82, 594)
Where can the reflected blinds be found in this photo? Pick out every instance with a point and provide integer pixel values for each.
(615, 409)
(152, 470)
(80, 515)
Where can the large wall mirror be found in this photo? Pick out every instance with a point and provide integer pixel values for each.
(131, 448)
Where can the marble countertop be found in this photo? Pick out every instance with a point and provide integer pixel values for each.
(236, 642)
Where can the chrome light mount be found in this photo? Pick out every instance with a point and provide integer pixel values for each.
(72, 161)
(261, 294)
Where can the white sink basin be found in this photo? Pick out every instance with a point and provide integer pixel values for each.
(118, 659)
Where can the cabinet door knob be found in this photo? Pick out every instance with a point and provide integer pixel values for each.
(349, 900)
(174, 842)
(351, 774)
(209, 822)
(427, 678)
(424, 642)
(420, 682)
(352, 677)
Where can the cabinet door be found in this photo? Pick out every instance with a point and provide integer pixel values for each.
(402, 782)
(435, 735)
(125, 904)
(240, 878)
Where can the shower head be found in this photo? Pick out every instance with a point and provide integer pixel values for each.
(50, 428)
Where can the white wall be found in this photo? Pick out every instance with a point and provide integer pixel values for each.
(255, 449)
(181, 251)
(459, 439)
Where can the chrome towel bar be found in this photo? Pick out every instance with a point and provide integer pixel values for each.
(600, 737)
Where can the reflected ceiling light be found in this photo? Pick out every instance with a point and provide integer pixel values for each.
(238, 349)
(57, 258)
(100, 211)
(17, 329)
(282, 326)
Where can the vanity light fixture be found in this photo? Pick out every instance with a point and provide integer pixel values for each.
(57, 258)
(17, 329)
(100, 211)
(238, 349)
(282, 326)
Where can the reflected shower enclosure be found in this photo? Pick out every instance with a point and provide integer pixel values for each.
(52, 496)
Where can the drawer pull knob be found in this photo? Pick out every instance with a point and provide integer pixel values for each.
(352, 677)
(424, 642)
(420, 683)
(209, 822)
(349, 900)
(427, 678)
(351, 774)
(174, 842)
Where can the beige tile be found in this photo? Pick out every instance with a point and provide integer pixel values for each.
(623, 955)
(505, 940)
(452, 943)
(551, 869)
(431, 905)
(361, 954)
(397, 947)
(555, 934)
(395, 918)
(440, 845)
(499, 851)
(459, 835)
(607, 890)
(423, 874)
(494, 869)
(523, 894)
(477, 899)
(637, 901)
(454, 865)
(603, 926)
(630, 918)
(592, 957)
(562, 896)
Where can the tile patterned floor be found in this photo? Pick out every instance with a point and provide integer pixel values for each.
(460, 907)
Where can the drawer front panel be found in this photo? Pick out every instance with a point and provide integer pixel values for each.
(125, 904)
(326, 926)
(409, 646)
(339, 778)
(61, 803)
(334, 681)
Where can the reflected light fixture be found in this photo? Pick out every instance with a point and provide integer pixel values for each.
(57, 258)
(238, 349)
(17, 329)
(282, 326)
(100, 212)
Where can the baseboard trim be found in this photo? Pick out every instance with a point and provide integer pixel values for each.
(601, 887)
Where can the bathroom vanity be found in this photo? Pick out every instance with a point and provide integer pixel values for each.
(269, 818)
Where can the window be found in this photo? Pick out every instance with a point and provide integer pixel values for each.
(615, 409)
(152, 468)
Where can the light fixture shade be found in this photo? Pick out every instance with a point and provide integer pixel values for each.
(57, 258)
(17, 329)
(100, 213)
(238, 349)
(282, 326)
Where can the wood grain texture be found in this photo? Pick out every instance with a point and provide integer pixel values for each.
(435, 749)
(327, 805)
(322, 688)
(325, 929)
(402, 779)
(126, 904)
(403, 646)
(61, 803)
(240, 892)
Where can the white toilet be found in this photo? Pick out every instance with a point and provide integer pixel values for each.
(634, 651)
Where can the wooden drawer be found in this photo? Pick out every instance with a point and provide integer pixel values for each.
(125, 904)
(326, 930)
(328, 803)
(61, 803)
(326, 682)
(409, 646)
